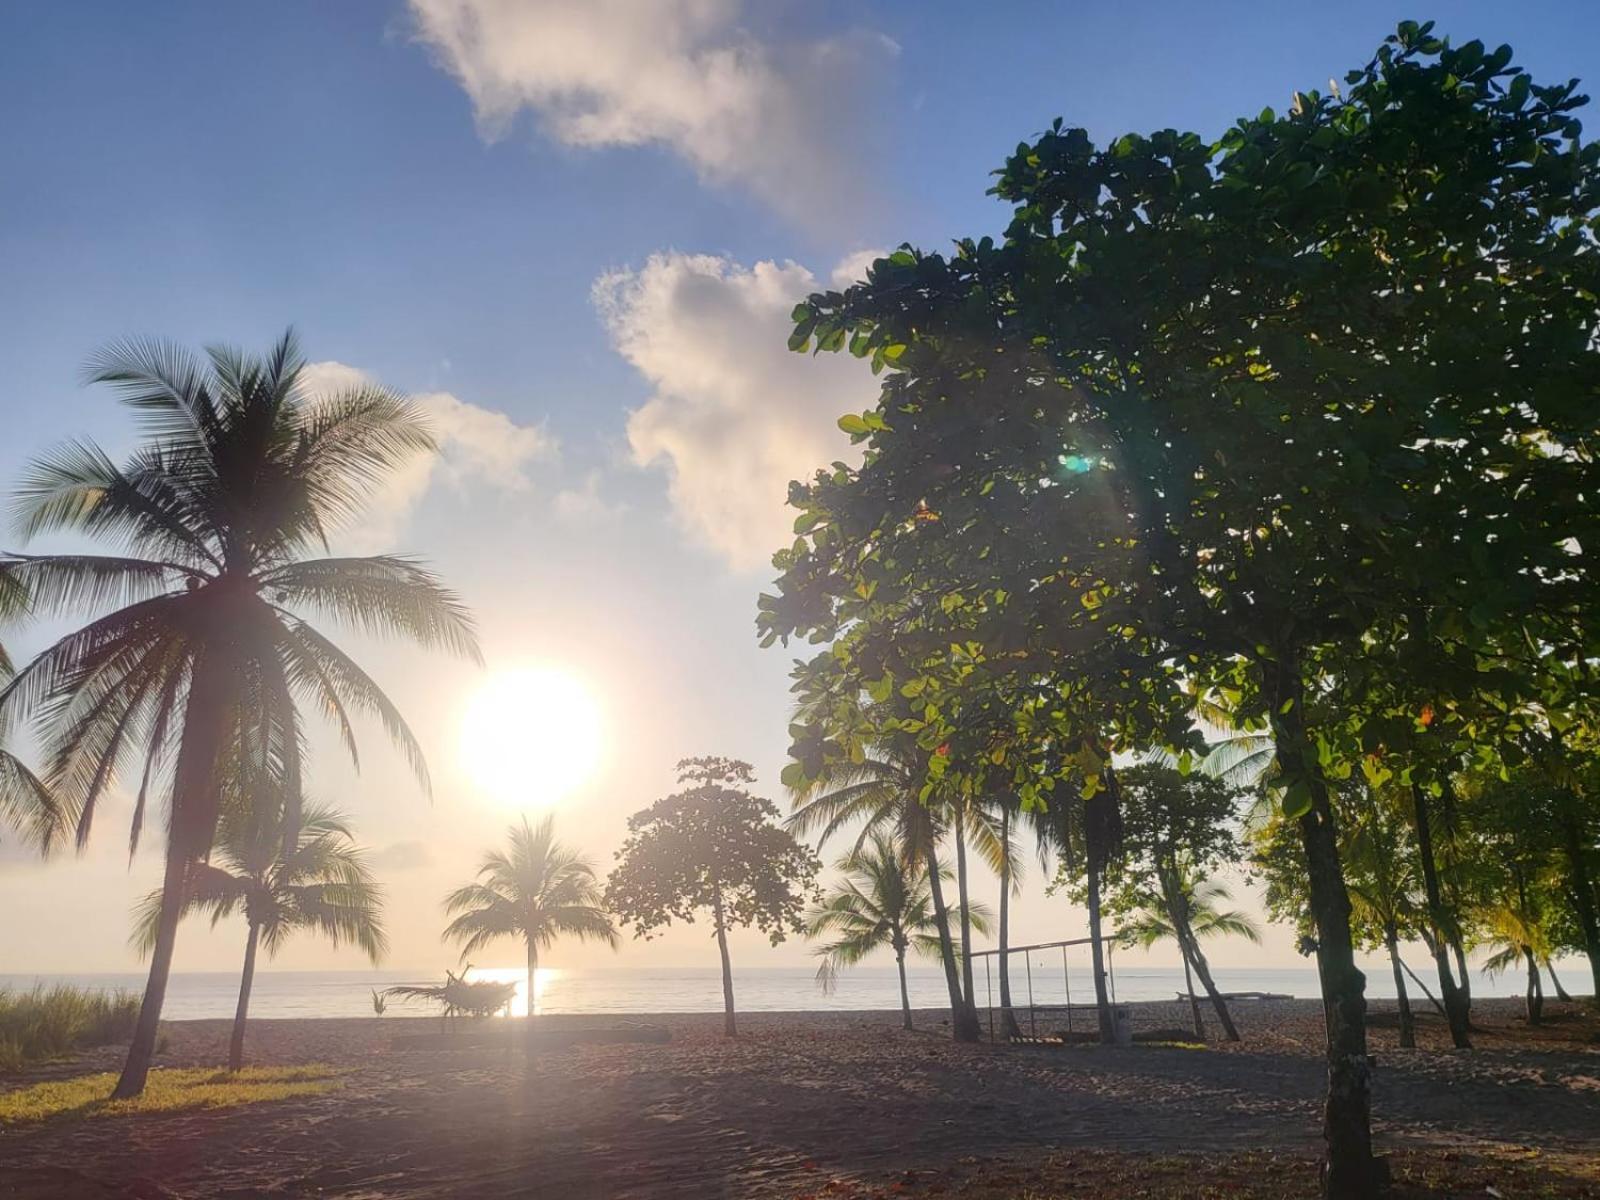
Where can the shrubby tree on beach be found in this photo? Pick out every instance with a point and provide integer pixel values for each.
(712, 847)
(536, 890)
(202, 638)
(316, 879)
(1300, 415)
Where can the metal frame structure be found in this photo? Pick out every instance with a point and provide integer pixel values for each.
(1108, 944)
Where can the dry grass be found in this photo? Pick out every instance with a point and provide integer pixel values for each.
(166, 1091)
(46, 1023)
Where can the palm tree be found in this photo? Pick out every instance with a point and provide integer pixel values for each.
(1188, 910)
(882, 901)
(202, 641)
(537, 891)
(26, 805)
(883, 794)
(322, 883)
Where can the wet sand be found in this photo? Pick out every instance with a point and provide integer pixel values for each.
(800, 1104)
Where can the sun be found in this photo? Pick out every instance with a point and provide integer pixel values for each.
(531, 736)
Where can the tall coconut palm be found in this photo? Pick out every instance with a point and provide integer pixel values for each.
(1188, 910)
(321, 883)
(882, 794)
(26, 805)
(202, 638)
(538, 890)
(883, 902)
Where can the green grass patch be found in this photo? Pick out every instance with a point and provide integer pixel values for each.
(165, 1091)
(46, 1023)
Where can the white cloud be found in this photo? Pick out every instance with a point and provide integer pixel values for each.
(587, 502)
(476, 445)
(735, 414)
(778, 118)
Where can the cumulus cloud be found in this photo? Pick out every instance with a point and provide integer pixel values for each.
(776, 117)
(735, 415)
(476, 444)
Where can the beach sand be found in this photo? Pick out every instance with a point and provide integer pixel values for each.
(836, 1104)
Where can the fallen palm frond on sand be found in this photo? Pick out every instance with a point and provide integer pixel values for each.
(459, 996)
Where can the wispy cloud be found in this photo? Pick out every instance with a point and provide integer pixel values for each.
(477, 446)
(782, 119)
(735, 415)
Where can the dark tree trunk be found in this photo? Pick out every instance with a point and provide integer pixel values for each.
(1349, 1169)
(1408, 1027)
(905, 994)
(1188, 984)
(190, 825)
(1433, 1000)
(533, 972)
(1218, 1001)
(1582, 895)
(1535, 998)
(729, 1027)
(1458, 946)
(1102, 1001)
(241, 1014)
(1455, 1002)
(968, 991)
(963, 1021)
(1008, 1017)
(1561, 992)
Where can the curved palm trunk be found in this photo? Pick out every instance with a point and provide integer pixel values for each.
(1350, 1171)
(189, 825)
(1194, 1001)
(241, 1014)
(962, 1028)
(1408, 1027)
(1008, 1017)
(1561, 992)
(968, 999)
(1219, 1002)
(1535, 998)
(1455, 999)
(533, 978)
(729, 1028)
(905, 994)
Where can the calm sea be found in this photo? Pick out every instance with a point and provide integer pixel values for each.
(193, 995)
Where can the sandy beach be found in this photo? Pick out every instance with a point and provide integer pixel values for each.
(808, 1104)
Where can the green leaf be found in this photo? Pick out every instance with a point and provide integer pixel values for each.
(853, 424)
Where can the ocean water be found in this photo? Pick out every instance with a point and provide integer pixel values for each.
(195, 995)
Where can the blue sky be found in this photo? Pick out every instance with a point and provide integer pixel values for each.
(541, 215)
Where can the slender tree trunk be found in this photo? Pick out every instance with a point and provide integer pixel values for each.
(1561, 992)
(533, 975)
(1408, 1027)
(1432, 999)
(1452, 888)
(1008, 1018)
(963, 1022)
(905, 993)
(1102, 1001)
(190, 824)
(1535, 999)
(968, 992)
(1188, 984)
(1455, 1002)
(1582, 895)
(241, 1014)
(1350, 1171)
(1219, 1002)
(729, 1028)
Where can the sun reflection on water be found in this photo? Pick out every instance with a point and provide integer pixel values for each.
(546, 977)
